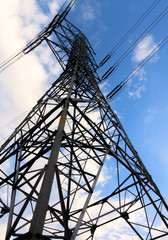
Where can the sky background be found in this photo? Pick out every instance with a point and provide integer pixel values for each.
(142, 106)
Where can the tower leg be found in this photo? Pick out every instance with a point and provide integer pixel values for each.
(38, 220)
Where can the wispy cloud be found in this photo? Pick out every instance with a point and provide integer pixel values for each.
(3, 231)
(90, 11)
(26, 81)
(54, 6)
(150, 115)
(23, 83)
(143, 49)
(137, 92)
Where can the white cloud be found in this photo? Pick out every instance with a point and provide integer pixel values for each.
(54, 6)
(105, 176)
(137, 92)
(3, 231)
(138, 87)
(144, 48)
(141, 74)
(90, 12)
(32, 19)
(150, 115)
(22, 84)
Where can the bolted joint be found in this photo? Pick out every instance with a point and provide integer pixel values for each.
(4, 210)
(125, 215)
(93, 229)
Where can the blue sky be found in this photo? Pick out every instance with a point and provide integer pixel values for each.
(142, 106)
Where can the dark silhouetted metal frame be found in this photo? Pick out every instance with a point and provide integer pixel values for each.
(57, 153)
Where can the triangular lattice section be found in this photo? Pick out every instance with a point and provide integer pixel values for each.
(56, 156)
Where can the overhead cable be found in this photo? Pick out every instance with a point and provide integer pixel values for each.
(123, 83)
(131, 30)
(36, 41)
(14, 120)
(135, 43)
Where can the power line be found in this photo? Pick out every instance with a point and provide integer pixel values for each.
(123, 83)
(14, 120)
(125, 37)
(135, 43)
(36, 41)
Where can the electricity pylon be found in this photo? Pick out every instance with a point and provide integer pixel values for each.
(55, 157)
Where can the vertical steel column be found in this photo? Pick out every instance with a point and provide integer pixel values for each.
(38, 220)
(76, 229)
(13, 197)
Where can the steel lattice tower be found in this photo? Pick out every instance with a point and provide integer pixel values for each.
(57, 153)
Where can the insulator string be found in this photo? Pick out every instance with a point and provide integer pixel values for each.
(123, 83)
(135, 43)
